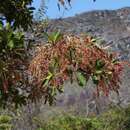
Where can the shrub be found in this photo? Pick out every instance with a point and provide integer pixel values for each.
(116, 118)
(5, 122)
(68, 122)
(127, 121)
(113, 119)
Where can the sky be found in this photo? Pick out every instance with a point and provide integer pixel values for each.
(79, 6)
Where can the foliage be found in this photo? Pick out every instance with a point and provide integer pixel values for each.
(127, 120)
(12, 58)
(68, 122)
(68, 57)
(17, 12)
(5, 122)
(14, 14)
(115, 118)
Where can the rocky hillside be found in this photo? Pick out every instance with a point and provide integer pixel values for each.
(112, 26)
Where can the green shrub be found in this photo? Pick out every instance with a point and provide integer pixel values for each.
(5, 119)
(116, 118)
(127, 119)
(113, 119)
(68, 122)
(5, 122)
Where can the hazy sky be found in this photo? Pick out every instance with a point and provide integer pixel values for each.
(79, 6)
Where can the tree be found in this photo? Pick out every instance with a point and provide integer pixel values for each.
(52, 66)
(18, 13)
(12, 59)
(74, 58)
(14, 15)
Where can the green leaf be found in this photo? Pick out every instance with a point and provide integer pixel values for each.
(53, 37)
(47, 79)
(1, 26)
(99, 72)
(93, 40)
(81, 79)
(95, 79)
(53, 91)
(54, 65)
(99, 64)
(45, 82)
(8, 27)
(57, 36)
(5, 119)
(11, 44)
(49, 76)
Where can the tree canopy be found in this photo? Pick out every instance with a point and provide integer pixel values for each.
(74, 58)
(63, 58)
(18, 13)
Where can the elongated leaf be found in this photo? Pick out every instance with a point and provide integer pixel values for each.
(11, 44)
(99, 72)
(47, 79)
(49, 76)
(45, 82)
(57, 36)
(99, 64)
(1, 26)
(95, 79)
(8, 26)
(81, 79)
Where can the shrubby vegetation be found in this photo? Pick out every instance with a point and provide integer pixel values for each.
(5, 122)
(115, 118)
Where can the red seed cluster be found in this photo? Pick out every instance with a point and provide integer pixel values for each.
(76, 53)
